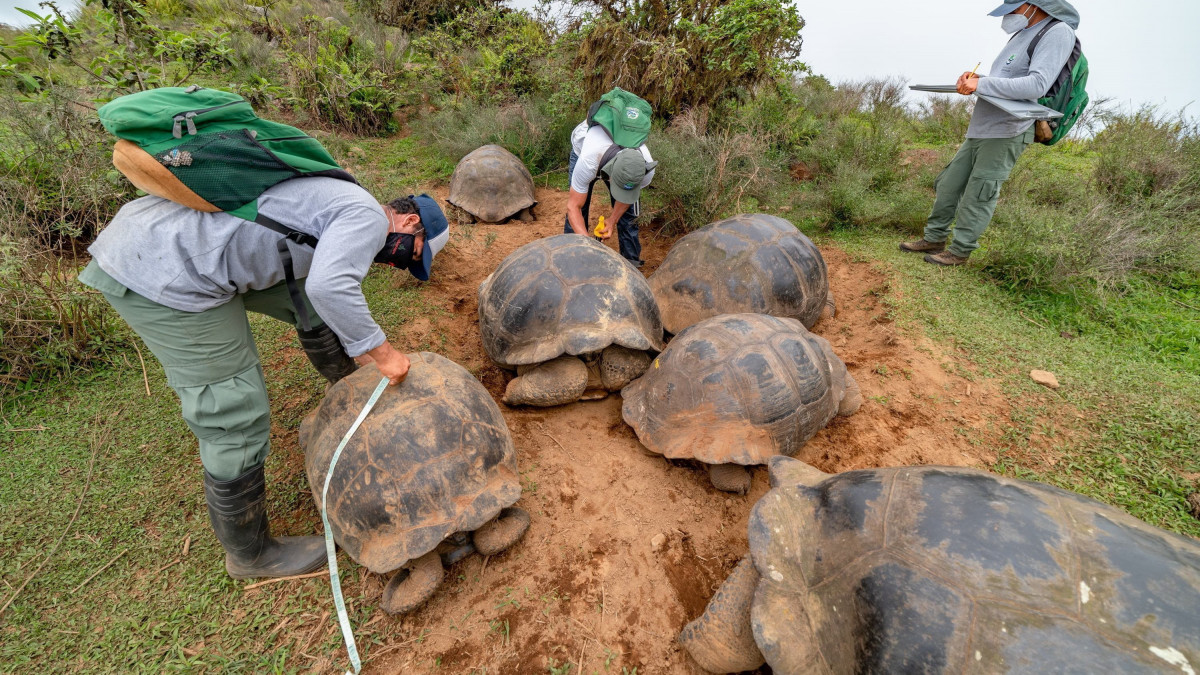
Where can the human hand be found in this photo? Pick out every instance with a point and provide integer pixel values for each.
(391, 362)
(967, 83)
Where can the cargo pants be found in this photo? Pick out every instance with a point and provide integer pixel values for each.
(968, 188)
(213, 365)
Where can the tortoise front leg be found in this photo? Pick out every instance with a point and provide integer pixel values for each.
(556, 382)
(721, 640)
(730, 477)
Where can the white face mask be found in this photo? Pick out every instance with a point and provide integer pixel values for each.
(1012, 23)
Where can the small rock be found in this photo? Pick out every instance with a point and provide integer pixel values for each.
(729, 503)
(1194, 504)
(657, 541)
(1044, 378)
(566, 492)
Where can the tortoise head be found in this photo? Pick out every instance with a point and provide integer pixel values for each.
(785, 471)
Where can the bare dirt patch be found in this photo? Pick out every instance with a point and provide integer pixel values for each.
(586, 586)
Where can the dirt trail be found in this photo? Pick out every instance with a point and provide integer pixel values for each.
(586, 586)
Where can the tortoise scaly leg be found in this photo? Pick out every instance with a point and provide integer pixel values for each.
(852, 399)
(556, 382)
(730, 477)
(503, 531)
(830, 310)
(526, 215)
(721, 639)
(619, 366)
(415, 583)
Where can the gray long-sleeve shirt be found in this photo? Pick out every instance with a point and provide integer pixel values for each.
(1014, 77)
(193, 261)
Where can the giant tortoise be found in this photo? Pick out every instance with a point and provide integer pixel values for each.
(752, 262)
(737, 389)
(429, 477)
(573, 318)
(491, 185)
(949, 570)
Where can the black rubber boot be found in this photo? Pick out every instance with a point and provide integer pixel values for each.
(238, 510)
(325, 352)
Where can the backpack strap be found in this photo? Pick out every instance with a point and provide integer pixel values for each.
(1038, 38)
(285, 256)
(591, 114)
(607, 156)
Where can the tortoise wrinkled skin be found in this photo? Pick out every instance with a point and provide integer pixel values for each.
(738, 388)
(565, 294)
(433, 458)
(491, 184)
(753, 263)
(937, 569)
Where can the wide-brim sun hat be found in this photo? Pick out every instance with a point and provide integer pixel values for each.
(1058, 9)
(1006, 8)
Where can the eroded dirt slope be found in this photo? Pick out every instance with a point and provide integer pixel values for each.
(586, 586)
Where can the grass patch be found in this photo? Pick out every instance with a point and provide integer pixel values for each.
(1125, 426)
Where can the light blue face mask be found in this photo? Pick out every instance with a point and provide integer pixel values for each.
(1012, 23)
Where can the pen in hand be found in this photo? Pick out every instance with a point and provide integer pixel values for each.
(964, 84)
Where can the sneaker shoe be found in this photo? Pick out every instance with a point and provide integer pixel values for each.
(945, 258)
(922, 246)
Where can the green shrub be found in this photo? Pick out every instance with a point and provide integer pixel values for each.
(943, 119)
(137, 53)
(704, 176)
(341, 79)
(1143, 153)
(49, 322)
(534, 129)
(57, 189)
(490, 55)
(1139, 219)
(418, 15)
(685, 54)
(774, 114)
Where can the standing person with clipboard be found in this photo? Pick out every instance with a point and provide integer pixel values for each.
(1039, 60)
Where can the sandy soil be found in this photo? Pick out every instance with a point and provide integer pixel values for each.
(586, 586)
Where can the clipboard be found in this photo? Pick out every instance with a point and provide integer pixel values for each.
(1022, 110)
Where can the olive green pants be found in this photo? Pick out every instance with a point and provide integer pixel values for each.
(968, 188)
(212, 364)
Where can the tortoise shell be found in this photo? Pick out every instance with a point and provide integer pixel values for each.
(434, 457)
(737, 388)
(748, 263)
(491, 184)
(565, 294)
(935, 569)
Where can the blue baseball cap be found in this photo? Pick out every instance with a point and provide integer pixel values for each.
(1006, 8)
(437, 233)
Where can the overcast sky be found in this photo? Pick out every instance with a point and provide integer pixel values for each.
(1138, 52)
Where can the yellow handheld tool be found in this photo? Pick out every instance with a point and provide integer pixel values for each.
(600, 230)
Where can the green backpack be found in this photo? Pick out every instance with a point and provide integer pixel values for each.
(1067, 94)
(624, 116)
(206, 149)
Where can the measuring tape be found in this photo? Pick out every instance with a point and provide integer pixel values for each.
(330, 550)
